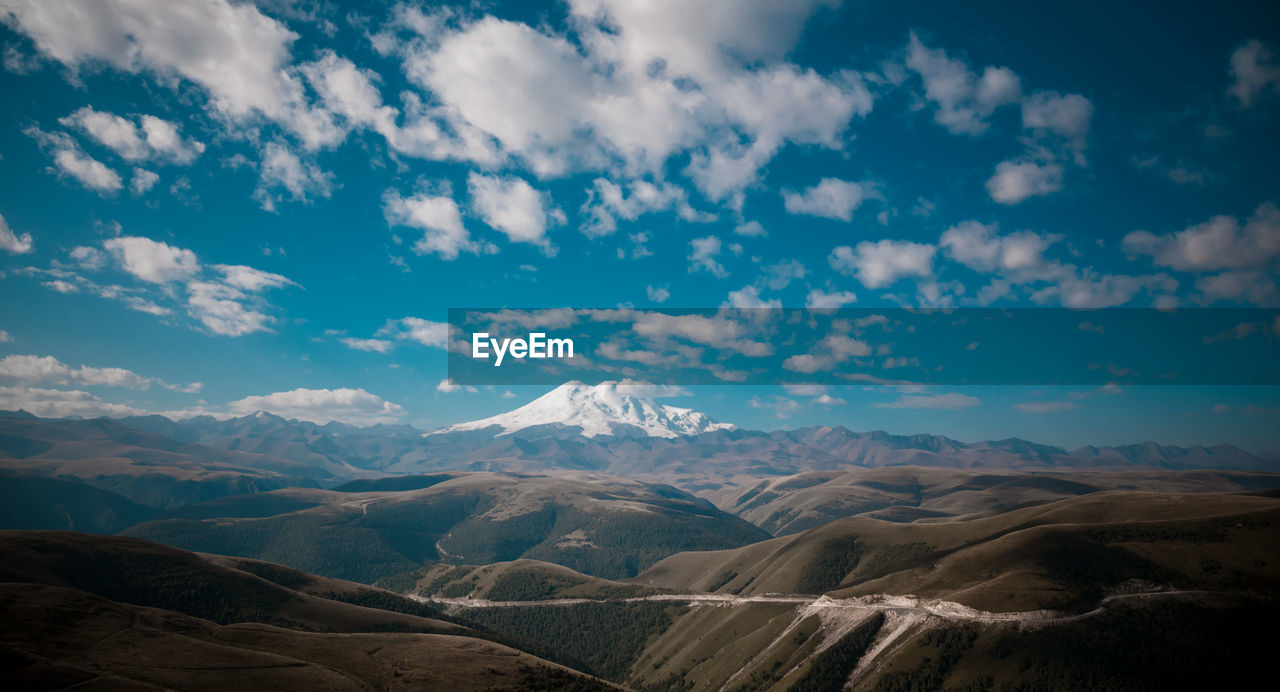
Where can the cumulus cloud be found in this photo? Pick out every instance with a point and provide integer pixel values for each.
(882, 263)
(511, 205)
(142, 181)
(964, 100)
(702, 256)
(61, 403)
(353, 406)
(70, 161)
(30, 369)
(750, 229)
(1018, 256)
(831, 198)
(1065, 115)
(618, 96)
(749, 297)
(1015, 181)
(280, 168)
(237, 55)
(371, 345)
(608, 201)
(416, 329)
(448, 386)
(1219, 243)
(819, 299)
(658, 294)
(152, 260)
(1253, 71)
(152, 139)
(437, 216)
(14, 243)
(221, 308)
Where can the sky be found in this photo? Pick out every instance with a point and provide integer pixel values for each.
(222, 207)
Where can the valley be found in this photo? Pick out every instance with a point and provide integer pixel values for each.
(594, 538)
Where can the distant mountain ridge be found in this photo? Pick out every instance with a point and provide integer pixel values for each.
(610, 428)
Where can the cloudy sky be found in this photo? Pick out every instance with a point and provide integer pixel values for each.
(227, 206)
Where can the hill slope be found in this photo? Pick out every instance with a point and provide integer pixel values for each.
(605, 527)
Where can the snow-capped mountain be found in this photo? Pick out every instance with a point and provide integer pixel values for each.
(604, 409)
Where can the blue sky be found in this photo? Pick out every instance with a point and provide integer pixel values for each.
(280, 201)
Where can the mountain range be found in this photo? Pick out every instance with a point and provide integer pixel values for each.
(609, 428)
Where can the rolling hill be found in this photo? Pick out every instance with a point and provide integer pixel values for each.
(606, 527)
(149, 616)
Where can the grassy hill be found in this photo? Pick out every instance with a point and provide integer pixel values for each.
(119, 613)
(1044, 556)
(32, 502)
(791, 504)
(601, 526)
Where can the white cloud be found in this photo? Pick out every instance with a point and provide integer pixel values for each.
(448, 386)
(1219, 243)
(60, 403)
(607, 202)
(1045, 406)
(750, 229)
(354, 406)
(221, 309)
(1256, 287)
(438, 218)
(819, 299)
(1066, 115)
(236, 54)
(1088, 289)
(1253, 71)
(1015, 181)
(964, 100)
(143, 180)
(512, 206)
(12, 242)
(831, 198)
(948, 401)
(250, 279)
(882, 263)
(70, 160)
(635, 86)
(658, 294)
(981, 248)
(152, 260)
(47, 369)
(372, 345)
(749, 297)
(281, 168)
(779, 275)
(155, 139)
(703, 253)
(29, 369)
(425, 332)
(5, 337)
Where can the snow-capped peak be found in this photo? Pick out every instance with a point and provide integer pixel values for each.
(603, 409)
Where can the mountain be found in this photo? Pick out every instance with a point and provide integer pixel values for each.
(119, 613)
(605, 409)
(143, 466)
